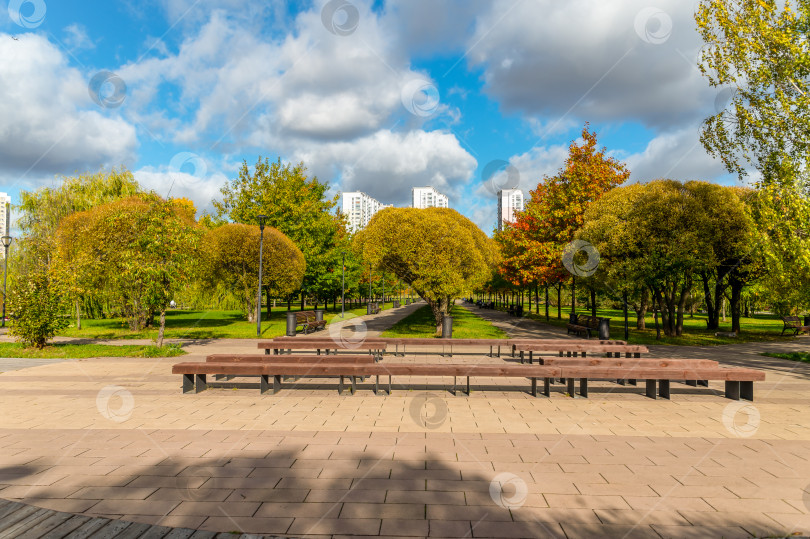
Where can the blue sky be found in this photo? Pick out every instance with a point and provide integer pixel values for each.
(379, 96)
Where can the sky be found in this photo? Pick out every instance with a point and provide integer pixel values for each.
(469, 96)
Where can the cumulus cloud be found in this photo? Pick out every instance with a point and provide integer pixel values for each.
(50, 124)
(594, 60)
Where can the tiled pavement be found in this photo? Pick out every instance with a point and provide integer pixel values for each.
(116, 438)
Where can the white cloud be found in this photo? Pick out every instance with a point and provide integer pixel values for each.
(585, 59)
(76, 38)
(201, 190)
(50, 124)
(386, 165)
(676, 155)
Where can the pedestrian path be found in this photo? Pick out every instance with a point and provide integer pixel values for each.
(517, 327)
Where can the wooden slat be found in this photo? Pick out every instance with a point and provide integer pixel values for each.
(582, 347)
(627, 362)
(309, 359)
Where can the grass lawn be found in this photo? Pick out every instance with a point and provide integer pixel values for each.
(74, 351)
(793, 356)
(466, 325)
(759, 329)
(183, 324)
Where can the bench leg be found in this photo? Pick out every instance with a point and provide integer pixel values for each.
(732, 390)
(454, 386)
(352, 379)
(583, 387)
(572, 390)
(747, 390)
(621, 382)
(199, 383)
(704, 383)
(691, 383)
(521, 356)
(276, 384)
(264, 384)
(651, 389)
(547, 387)
(534, 387)
(632, 382)
(663, 389)
(188, 383)
(389, 384)
(468, 386)
(340, 386)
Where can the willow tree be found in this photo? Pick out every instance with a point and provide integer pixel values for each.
(231, 260)
(438, 252)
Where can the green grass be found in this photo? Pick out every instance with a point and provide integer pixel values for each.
(804, 357)
(763, 328)
(78, 351)
(466, 325)
(187, 324)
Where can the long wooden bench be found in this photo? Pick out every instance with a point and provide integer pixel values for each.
(738, 381)
(325, 344)
(794, 324)
(580, 347)
(308, 359)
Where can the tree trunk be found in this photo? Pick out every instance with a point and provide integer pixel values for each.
(736, 294)
(162, 327)
(302, 300)
(78, 316)
(641, 311)
(546, 286)
(593, 302)
(289, 303)
(559, 300)
(439, 309)
(723, 302)
(269, 305)
(711, 310)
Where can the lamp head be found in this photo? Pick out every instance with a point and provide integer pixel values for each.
(261, 217)
(6, 241)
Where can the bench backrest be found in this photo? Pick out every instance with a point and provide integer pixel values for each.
(791, 320)
(587, 320)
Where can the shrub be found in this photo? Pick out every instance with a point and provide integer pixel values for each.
(39, 308)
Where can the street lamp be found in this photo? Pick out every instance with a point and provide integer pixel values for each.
(6, 244)
(259, 293)
(343, 289)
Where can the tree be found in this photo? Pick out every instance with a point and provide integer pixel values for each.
(533, 246)
(298, 207)
(438, 252)
(143, 248)
(232, 259)
(38, 305)
(758, 53)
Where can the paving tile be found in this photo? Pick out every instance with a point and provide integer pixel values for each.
(392, 527)
(300, 510)
(310, 526)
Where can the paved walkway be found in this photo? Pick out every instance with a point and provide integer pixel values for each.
(115, 438)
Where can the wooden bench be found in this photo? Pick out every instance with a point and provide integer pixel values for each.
(306, 320)
(374, 308)
(585, 325)
(794, 324)
(375, 348)
(516, 310)
(631, 362)
(572, 348)
(738, 381)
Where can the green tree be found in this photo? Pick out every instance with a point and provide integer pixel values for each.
(232, 260)
(38, 304)
(297, 206)
(436, 251)
(758, 53)
(143, 248)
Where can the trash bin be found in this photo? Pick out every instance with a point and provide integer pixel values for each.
(604, 329)
(369, 308)
(291, 323)
(319, 315)
(572, 318)
(396, 304)
(447, 327)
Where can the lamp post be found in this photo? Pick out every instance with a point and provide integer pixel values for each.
(6, 244)
(343, 289)
(261, 218)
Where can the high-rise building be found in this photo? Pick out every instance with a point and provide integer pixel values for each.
(509, 201)
(428, 197)
(5, 218)
(360, 208)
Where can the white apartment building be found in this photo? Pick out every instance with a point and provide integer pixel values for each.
(509, 201)
(428, 197)
(360, 208)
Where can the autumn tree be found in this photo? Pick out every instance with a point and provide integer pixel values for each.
(231, 259)
(533, 245)
(299, 207)
(438, 252)
(143, 249)
(758, 53)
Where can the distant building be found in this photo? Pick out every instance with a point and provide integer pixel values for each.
(509, 202)
(360, 208)
(5, 218)
(428, 197)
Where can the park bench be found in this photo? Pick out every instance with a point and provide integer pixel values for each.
(306, 320)
(516, 310)
(375, 347)
(738, 381)
(373, 308)
(585, 325)
(794, 324)
(583, 348)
